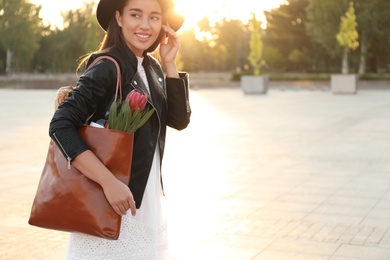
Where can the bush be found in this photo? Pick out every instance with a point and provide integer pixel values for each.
(372, 76)
(286, 77)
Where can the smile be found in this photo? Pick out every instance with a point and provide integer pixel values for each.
(143, 36)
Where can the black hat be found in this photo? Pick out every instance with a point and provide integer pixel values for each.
(106, 9)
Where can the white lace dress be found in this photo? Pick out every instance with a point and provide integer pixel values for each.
(143, 236)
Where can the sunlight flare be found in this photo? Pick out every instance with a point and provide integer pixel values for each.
(193, 10)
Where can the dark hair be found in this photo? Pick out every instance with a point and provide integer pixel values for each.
(113, 37)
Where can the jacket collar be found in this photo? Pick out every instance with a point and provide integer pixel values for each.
(152, 70)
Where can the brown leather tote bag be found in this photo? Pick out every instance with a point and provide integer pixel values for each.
(67, 200)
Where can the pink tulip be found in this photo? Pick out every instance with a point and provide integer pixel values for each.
(137, 99)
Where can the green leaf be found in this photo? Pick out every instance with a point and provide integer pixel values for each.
(145, 117)
(112, 115)
(135, 114)
(120, 119)
(126, 116)
(137, 118)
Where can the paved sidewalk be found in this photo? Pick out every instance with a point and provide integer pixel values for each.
(294, 174)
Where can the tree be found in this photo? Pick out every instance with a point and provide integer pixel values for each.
(287, 33)
(224, 45)
(3, 55)
(372, 18)
(273, 58)
(256, 45)
(191, 51)
(323, 23)
(296, 57)
(20, 30)
(60, 49)
(348, 36)
(231, 40)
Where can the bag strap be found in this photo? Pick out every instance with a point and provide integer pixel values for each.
(118, 70)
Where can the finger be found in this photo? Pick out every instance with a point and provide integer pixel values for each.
(124, 207)
(171, 33)
(133, 208)
(118, 210)
(166, 28)
(162, 41)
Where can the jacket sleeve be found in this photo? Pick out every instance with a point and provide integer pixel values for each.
(179, 110)
(91, 89)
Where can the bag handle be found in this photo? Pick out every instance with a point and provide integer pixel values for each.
(118, 70)
(63, 92)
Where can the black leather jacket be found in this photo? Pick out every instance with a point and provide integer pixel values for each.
(95, 92)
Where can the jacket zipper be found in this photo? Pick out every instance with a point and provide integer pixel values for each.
(187, 99)
(63, 150)
(159, 123)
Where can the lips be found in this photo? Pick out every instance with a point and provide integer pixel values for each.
(143, 36)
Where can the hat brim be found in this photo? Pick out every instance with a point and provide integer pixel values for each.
(106, 9)
(104, 12)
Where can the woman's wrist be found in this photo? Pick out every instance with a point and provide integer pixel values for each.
(171, 70)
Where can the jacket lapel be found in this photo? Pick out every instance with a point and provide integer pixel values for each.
(156, 88)
(155, 81)
(139, 84)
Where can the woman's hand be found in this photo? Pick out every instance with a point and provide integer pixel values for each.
(169, 48)
(117, 193)
(119, 196)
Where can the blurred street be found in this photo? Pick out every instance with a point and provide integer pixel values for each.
(293, 174)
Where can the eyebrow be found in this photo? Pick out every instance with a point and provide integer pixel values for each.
(141, 11)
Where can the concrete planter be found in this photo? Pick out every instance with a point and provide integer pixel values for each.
(254, 84)
(343, 83)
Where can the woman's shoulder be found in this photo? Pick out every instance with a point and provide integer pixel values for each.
(153, 61)
(108, 54)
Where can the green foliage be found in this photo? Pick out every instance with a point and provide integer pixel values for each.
(20, 30)
(222, 46)
(323, 23)
(300, 36)
(191, 51)
(296, 56)
(273, 57)
(60, 48)
(255, 45)
(376, 76)
(286, 32)
(230, 40)
(373, 19)
(348, 35)
(288, 77)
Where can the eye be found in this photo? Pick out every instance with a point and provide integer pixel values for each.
(135, 15)
(156, 18)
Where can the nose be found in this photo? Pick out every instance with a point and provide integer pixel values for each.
(144, 23)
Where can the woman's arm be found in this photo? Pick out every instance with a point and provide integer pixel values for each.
(117, 193)
(179, 110)
(169, 48)
(96, 84)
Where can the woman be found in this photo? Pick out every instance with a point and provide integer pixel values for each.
(133, 28)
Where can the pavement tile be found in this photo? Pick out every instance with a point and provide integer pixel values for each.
(303, 247)
(363, 252)
(362, 236)
(277, 255)
(375, 237)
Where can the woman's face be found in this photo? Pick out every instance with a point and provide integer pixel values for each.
(141, 22)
